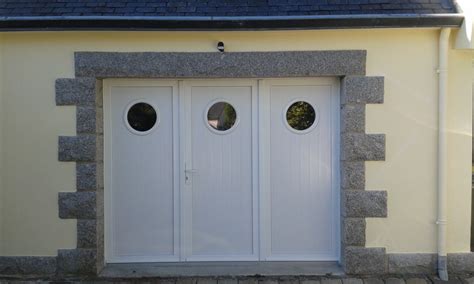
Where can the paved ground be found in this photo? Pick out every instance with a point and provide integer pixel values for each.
(400, 279)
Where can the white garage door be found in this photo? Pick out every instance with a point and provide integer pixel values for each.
(221, 170)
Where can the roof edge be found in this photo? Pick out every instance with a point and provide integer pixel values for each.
(465, 36)
(229, 23)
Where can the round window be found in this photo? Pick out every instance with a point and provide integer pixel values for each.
(141, 117)
(300, 115)
(221, 116)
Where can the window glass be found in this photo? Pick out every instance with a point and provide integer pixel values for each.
(221, 116)
(141, 117)
(300, 115)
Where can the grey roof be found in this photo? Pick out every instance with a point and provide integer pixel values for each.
(156, 8)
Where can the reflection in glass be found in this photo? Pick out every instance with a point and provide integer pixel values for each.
(141, 117)
(300, 115)
(221, 116)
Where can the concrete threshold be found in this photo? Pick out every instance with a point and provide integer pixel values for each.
(206, 269)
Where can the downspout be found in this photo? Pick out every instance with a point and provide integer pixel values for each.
(442, 153)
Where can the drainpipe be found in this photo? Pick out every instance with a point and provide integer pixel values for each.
(442, 155)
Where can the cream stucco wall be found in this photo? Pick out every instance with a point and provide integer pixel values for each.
(31, 122)
(460, 134)
(32, 175)
(410, 112)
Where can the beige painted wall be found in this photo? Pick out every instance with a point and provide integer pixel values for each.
(407, 59)
(410, 169)
(32, 175)
(460, 160)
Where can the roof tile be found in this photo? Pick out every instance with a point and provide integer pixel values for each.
(219, 7)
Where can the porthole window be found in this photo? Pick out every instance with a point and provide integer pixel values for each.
(300, 116)
(221, 116)
(141, 117)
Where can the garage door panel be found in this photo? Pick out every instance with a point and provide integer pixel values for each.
(222, 193)
(301, 189)
(142, 178)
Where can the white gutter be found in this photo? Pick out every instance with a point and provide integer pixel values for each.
(190, 23)
(465, 36)
(236, 18)
(442, 153)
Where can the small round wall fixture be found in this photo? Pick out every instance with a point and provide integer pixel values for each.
(220, 46)
(141, 117)
(300, 116)
(221, 117)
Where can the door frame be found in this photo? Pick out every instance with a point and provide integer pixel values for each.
(260, 154)
(84, 91)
